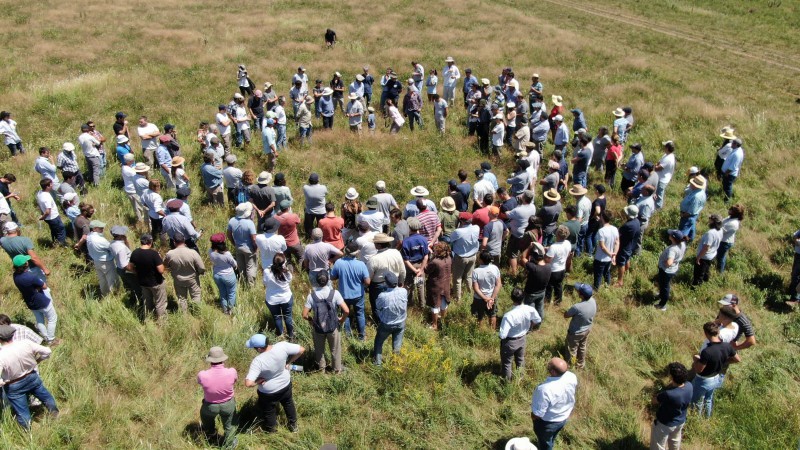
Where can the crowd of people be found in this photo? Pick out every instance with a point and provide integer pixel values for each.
(420, 254)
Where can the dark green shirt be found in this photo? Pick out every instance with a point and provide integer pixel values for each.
(574, 228)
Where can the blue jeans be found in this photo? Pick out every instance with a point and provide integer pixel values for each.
(661, 190)
(17, 395)
(589, 241)
(579, 245)
(687, 225)
(283, 315)
(414, 116)
(703, 395)
(581, 178)
(546, 433)
(305, 134)
(57, 231)
(227, 290)
(602, 271)
(664, 285)
(280, 140)
(727, 186)
(356, 306)
(722, 255)
(383, 333)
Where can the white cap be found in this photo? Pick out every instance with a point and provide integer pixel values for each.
(558, 118)
(380, 184)
(70, 196)
(694, 170)
(10, 226)
(68, 146)
(121, 139)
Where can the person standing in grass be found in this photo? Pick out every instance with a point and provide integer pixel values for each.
(448, 218)
(288, 229)
(412, 105)
(730, 226)
(46, 167)
(37, 297)
(148, 133)
(224, 272)
(486, 286)
(731, 167)
(19, 361)
(673, 401)
(394, 114)
(15, 244)
(68, 163)
(709, 365)
(450, 76)
(608, 244)
(353, 277)
(582, 316)
(665, 168)
(186, 267)
(320, 311)
(100, 252)
(242, 233)
(557, 257)
(745, 329)
(218, 382)
(438, 274)
(279, 298)
(8, 128)
(121, 252)
(629, 236)
(332, 226)
(391, 309)
(152, 200)
(707, 250)
(351, 210)
(431, 83)
(368, 81)
(416, 253)
(269, 373)
(49, 210)
(630, 170)
(668, 265)
(387, 259)
(513, 331)
(694, 200)
(553, 402)
(149, 268)
(270, 242)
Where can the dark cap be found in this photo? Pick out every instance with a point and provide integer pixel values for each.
(168, 127)
(271, 225)
(584, 290)
(351, 248)
(391, 279)
(637, 146)
(7, 332)
(183, 191)
(313, 178)
(121, 115)
(486, 166)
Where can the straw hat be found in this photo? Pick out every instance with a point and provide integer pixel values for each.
(141, 167)
(419, 191)
(352, 96)
(327, 91)
(447, 204)
(577, 190)
(178, 160)
(618, 112)
(557, 100)
(728, 134)
(698, 182)
(552, 195)
(449, 59)
(360, 77)
(485, 81)
(382, 238)
(243, 210)
(264, 178)
(631, 211)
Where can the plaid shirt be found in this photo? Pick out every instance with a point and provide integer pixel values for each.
(67, 163)
(25, 333)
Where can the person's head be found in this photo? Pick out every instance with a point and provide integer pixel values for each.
(316, 234)
(5, 320)
(527, 196)
(711, 330)
(462, 175)
(146, 240)
(322, 278)
(414, 224)
(715, 222)
(142, 121)
(6, 334)
(494, 212)
(258, 342)
(119, 233)
(584, 139)
(669, 146)
(435, 96)
(558, 155)
(87, 210)
(675, 236)
(636, 148)
(395, 215)
(485, 257)
(648, 190)
(571, 211)
(330, 207)
(557, 367)
(584, 291)
(46, 184)
(517, 296)
(605, 217)
(85, 128)
(208, 158)
(502, 193)
(736, 143)
(10, 178)
(44, 151)
(179, 239)
(488, 199)
(154, 185)
(5, 115)
(421, 205)
(599, 189)
(678, 373)
(248, 177)
(389, 102)
(736, 211)
(313, 178)
(441, 250)
(562, 233)
(726, 315)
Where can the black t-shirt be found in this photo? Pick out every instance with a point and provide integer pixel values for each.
(538, 277)
(508, 205)
(262, 196)
(715, 357)
(458, 198)
(146, 262)
(256, 105)
(628, 234)
(673, 404)
(118, 127)
(549, 215)
(337, 84)
(4, 191)
(594, 222)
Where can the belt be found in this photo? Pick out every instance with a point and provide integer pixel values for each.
(514, 338)
(18, 378)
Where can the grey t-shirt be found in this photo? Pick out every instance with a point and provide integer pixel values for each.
(385, 204)
(486, 277)
(271, 366)
(494, 231)
(582, 316)
(315, 198)
(400, 232)
(608, 235)
(711, 238)
(318, 254)
(675, 252)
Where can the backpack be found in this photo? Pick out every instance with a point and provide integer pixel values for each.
(325, 318)
(242, 194)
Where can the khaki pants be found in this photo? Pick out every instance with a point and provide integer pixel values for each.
(216, 196)
(462, 272)
(138, 208)
(106, 275)
(576, 346)
(334, 341)
(185, 290)
(155, 298)
(415, 291)
(247, 260)
(663, 437)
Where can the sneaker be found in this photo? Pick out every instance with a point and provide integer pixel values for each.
(660, 307)
(54, 343)
(294, 428)
(34, 401)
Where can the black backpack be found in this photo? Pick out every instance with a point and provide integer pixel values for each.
(325, 318)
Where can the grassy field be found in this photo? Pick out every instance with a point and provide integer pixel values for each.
(687, 70)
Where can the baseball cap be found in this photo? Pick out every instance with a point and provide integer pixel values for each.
(20, 260)
(729, 300)
(119, 230)
(391, 279)
(285, 204)
(120, 115)
(676, 234)
(10, 226)
(257, 341)
(584, 289)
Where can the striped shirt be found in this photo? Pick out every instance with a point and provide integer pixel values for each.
(430, 223)
(67, 162)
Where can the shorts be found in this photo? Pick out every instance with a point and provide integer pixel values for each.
(623, 258)
(478, 308)
(442, 309)
(514, 244)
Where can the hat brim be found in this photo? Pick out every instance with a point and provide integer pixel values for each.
(216, 360)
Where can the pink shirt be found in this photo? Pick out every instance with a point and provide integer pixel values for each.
(217, 383)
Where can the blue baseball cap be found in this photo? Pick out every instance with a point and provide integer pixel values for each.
(676, 234)
(584, 289)
(257, 341)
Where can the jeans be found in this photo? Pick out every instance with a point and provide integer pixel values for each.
(722, 255)
(282, 314)
(661, 191)
(727, 186)
(226, 411)
(512, 348)
(688, 225)
(375, 289)
(269, 402)
(555, 287)
(356, 307)
(664, 285)
(305, 135)
(602, 271)
(579, 245)
(546, 433)
(581, 178)
(17, 395)
(589, 241)
(47, 314)
(383, 333)
(663, 437)
(227, 290)
(14, 148)
(536, 299)
(414, 116)
(701, 272)
(703, 395)
(280, 140)
(57, 231)
(794, 281)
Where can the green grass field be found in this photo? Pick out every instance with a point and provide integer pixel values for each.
(687, 69)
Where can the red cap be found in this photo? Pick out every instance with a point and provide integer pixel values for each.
(217, 238)
(465, 216)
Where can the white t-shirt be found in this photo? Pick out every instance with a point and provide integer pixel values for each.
(667, 163)
(9, 130)
(277, 292)
(608, 235)
(45, 202)
(128, 175)
(271, 366)
(269, 246)
(559, 251)
(554, 399)
(729, 228)
(149, 129)
(223, 129)
(89, 145)
(498, 134)
(242, 122)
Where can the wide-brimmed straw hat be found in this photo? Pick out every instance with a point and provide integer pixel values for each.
(552, 195)
(557, 100)
(447, 204)
(419, 191)
(178, 160)
(698, 182)
(728, 134)
(351, 194)
(577, 190)
(618, 112)
(382, 238)
(327, 91)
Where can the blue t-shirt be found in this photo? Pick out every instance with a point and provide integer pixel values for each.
(673, 405)
(628, 237)
(415, 247)
(582, 166)
(30, 286)
(351, 274)
(242, 230)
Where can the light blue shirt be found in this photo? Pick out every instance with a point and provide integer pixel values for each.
(99, 248)
(621, 125)
(212, 177)
(694, 201)
(469, 81)
(47, 170)
(175, 222)
(539, 130)
(519, 182)
(734, 162)
(392, 306)
(268, 139)
(163, 157)
(491, 178)
(562, 135)
(633, 166)
(646, 207)
(242, 231)
(465, 240)
(326, 106)
(351, 274)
